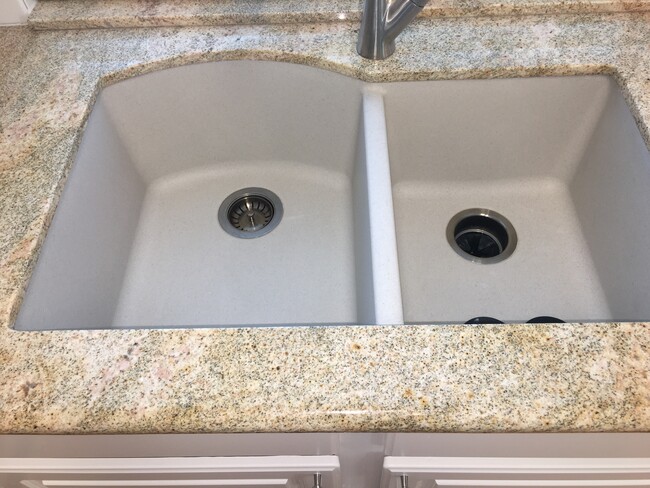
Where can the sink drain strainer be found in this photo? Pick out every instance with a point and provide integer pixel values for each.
(482, 236)
(250, 213)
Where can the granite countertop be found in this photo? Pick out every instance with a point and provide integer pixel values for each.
(506, 378)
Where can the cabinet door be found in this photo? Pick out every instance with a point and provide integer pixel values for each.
(458, 472)
(207, 472)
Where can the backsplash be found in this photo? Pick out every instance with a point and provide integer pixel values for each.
(74, 14)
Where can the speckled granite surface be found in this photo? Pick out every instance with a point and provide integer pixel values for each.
(72, 14)
(566, 377)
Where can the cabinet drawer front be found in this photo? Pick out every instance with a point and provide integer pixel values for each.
(457, 472)
(216, 472)
(541, 483)
(144, 483)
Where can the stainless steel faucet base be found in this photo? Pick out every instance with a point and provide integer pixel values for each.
(382, 22)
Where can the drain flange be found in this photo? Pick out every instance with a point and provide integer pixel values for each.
(250, 213)
(481, 235)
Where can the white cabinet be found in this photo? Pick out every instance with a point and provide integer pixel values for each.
(484, 472)
(345, 460)
(178, 472)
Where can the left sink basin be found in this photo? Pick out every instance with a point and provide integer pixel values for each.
(136, 239)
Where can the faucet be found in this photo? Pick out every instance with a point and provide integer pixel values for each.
(382, 22)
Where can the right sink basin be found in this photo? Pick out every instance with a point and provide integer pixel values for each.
(560, 159)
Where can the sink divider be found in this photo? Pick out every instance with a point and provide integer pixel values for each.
(385, 285)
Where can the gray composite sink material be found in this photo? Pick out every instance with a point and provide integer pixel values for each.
(561, 158)
(136, 239)
(369, 176)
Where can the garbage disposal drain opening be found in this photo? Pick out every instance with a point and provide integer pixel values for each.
(250, 212)
(481, 235)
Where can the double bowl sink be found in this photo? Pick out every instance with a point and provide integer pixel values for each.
(244, 193)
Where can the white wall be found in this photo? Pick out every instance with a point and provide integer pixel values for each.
(15, 11)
